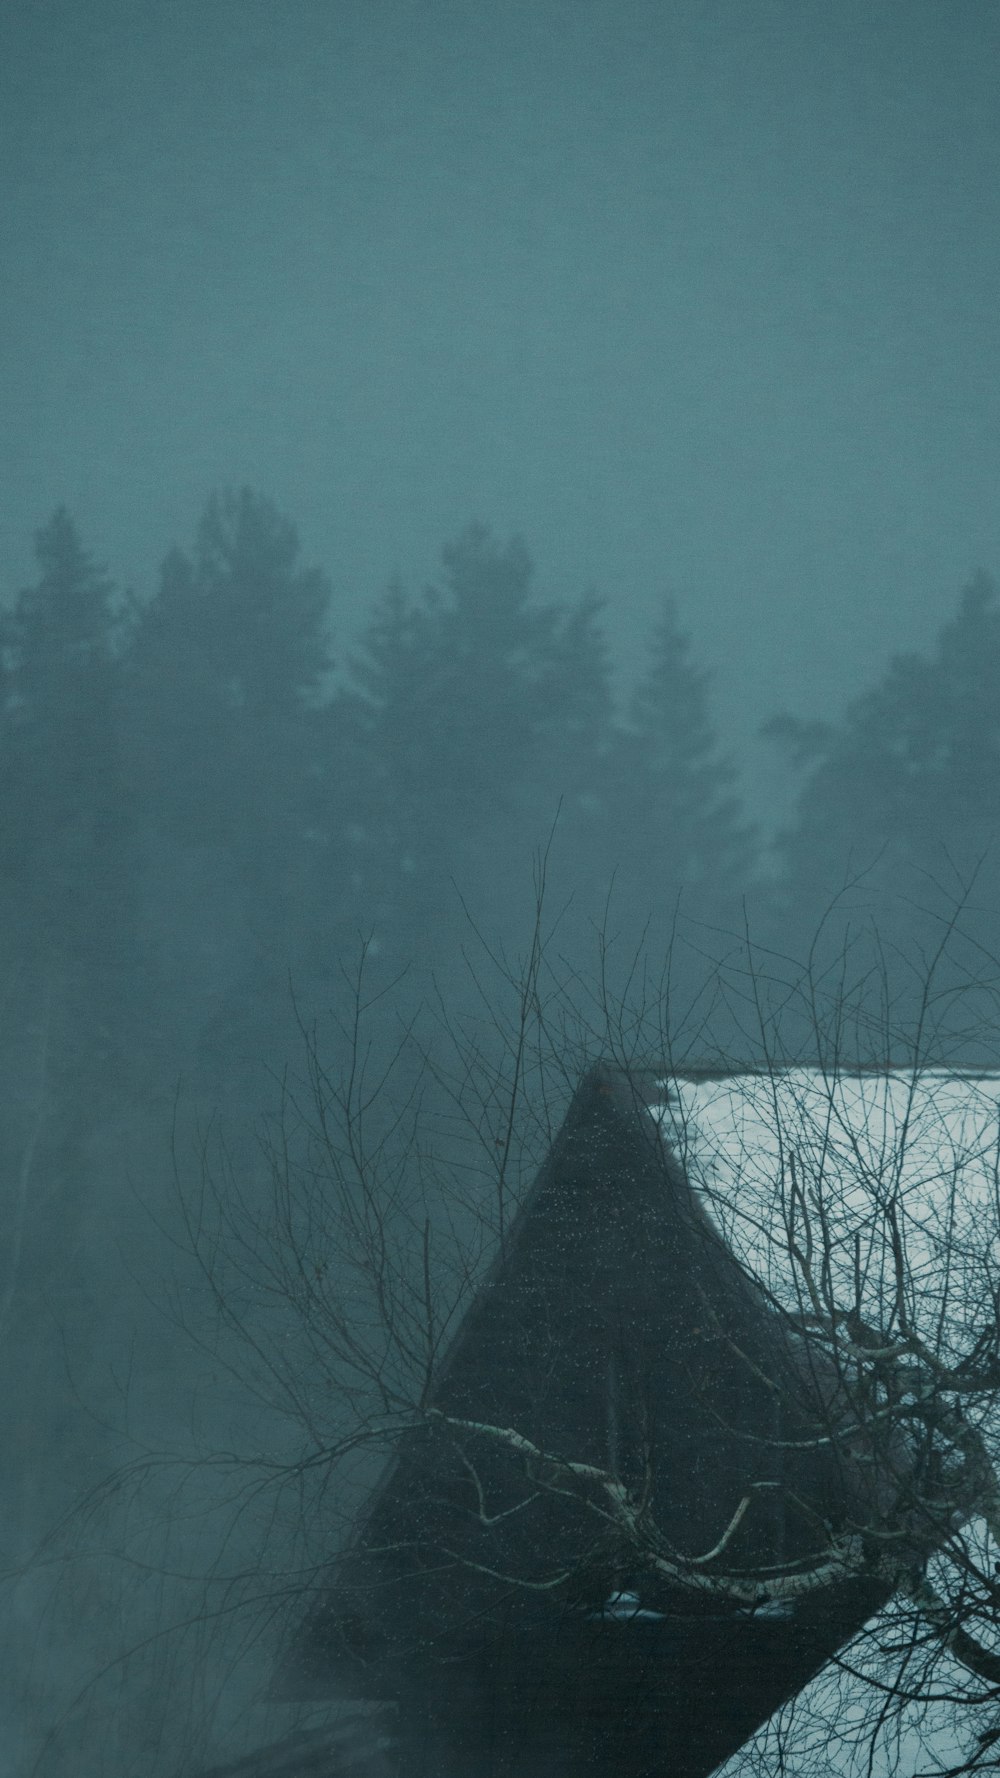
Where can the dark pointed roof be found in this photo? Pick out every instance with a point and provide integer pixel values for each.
(615, 1329)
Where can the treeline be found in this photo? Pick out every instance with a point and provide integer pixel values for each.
(207, 799)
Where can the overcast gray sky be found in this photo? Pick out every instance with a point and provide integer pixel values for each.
(694, 294)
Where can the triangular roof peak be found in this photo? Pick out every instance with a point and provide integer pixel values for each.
(615, 1329)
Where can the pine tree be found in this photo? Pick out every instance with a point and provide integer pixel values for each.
(579, 720)
(909, 781)
(481, 712)
(677, 836)
(227, 685)
(71, 1054)
(63, 788)
(229, 663)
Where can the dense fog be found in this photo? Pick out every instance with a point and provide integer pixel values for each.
(499, 509)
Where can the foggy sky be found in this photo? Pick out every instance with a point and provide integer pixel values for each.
(699, 296)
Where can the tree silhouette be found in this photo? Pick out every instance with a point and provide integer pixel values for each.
(908, 783)
(480, 712)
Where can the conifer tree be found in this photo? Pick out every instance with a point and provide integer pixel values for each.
(482, 711)
(909, 781)
(64, 797)
(229, 661)
(227, 681)
(69, 1023)
(677, 834)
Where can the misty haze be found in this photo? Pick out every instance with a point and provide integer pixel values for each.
(499, 651)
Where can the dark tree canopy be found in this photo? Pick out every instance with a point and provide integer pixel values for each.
(61, 762)
(911, 776)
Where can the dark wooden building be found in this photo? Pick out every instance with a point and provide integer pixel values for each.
(489, 1600)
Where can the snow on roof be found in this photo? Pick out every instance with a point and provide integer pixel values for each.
(859, 1146)
(863, 1142)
